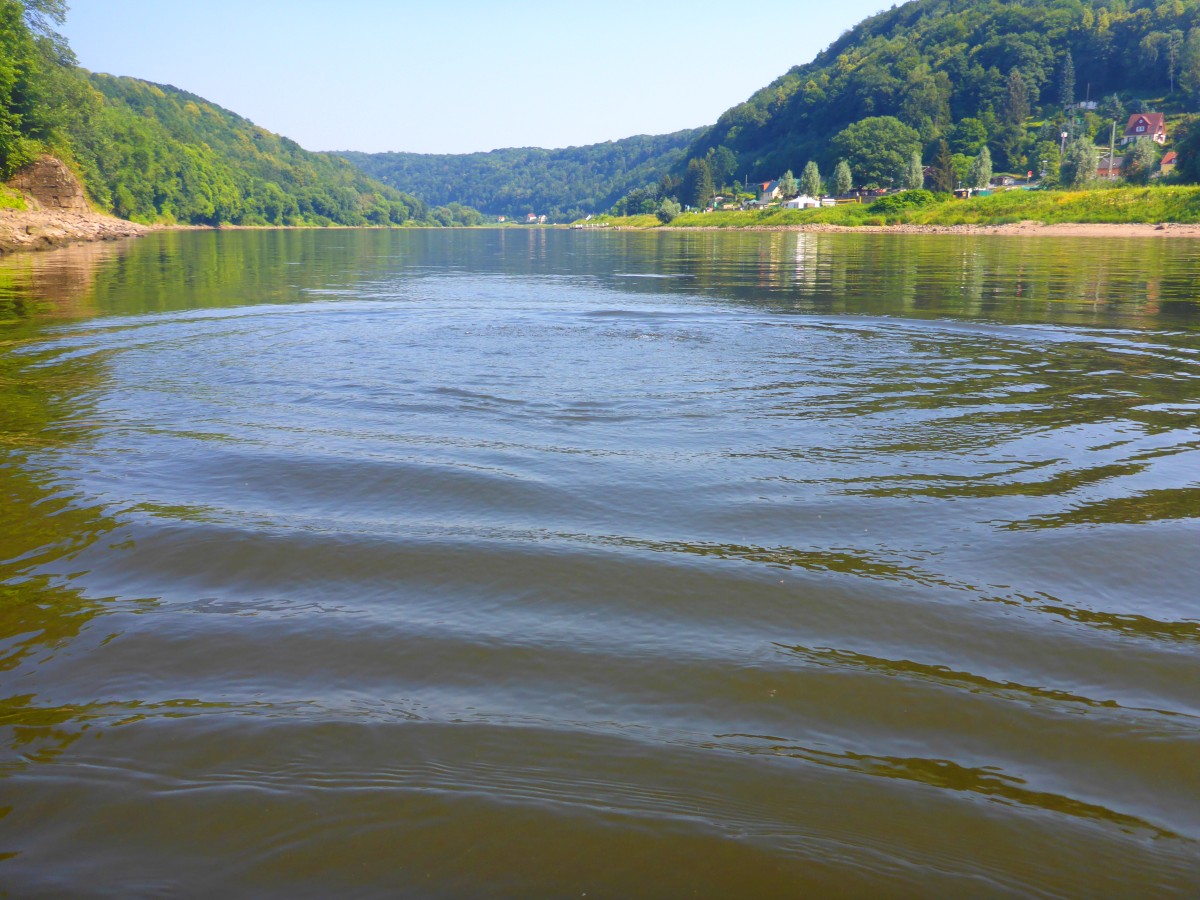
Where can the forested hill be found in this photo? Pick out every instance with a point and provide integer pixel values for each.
(932, 64)
(974, 73)
(153, 153)
(563, 184)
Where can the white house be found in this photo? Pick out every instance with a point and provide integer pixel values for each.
(802, 202)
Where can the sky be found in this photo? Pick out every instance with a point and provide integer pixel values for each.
(458, 76)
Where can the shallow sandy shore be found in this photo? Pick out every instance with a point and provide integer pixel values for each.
(45, 229)
(1026, 229)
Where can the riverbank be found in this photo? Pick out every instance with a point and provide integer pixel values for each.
(1061, 229)
(44, 206)
(1172, 211)
(26, 229)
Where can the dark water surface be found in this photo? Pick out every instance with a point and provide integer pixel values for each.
(544, 564)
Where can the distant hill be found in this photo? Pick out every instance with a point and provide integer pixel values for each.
(563, 184)
(934, 63)
(151, 152)
(995, 73)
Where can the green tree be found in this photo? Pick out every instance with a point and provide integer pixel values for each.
(967, 136)
(962, 168)
(1141, 161)
(914, 176)
(810, 180)
(1014, 113)
(1066, 81)
(842, 178)
(723, 164)
(926, 104)
(1111, 109)
(878, 148)
(1187, 145)
(787, 184)
(1079, 163)
(1175, 46)
(698, 184)
(980, 173)
(1016, 101)
(943, 168)
(667, 211)
(1189, 66)
(1048, 162)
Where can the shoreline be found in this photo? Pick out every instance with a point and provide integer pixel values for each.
(23, 231)
(26, 230)
(1021, 229)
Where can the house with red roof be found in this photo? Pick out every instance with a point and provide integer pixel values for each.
(1145, 125)
(1167, 166)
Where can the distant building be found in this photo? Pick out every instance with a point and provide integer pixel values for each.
(1167, 166)
(1110, 168)
(1085, 105)
(768, 191)
(1145, 125)
(802, 202)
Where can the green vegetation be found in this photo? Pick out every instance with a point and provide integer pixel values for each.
(562, 184)
(971, 71)
(810, 180)
(956, 81)
(10, 199)
(153, 153)
(668, 212)
(1113, 205)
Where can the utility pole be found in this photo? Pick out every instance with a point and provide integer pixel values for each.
(1112, 149)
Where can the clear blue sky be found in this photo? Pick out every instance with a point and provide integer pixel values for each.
(454, 76)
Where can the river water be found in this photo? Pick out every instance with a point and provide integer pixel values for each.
(551, 564)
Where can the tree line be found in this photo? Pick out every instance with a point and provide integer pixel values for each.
(153, 153)
(563, 184)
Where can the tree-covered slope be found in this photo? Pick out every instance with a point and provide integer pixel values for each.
(934, 63)
(562, 183)
(155, 153)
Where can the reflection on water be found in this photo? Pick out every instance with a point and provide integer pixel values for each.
(531, 562)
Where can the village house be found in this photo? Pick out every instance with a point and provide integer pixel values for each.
(768, 191)
(1110, 168)
(1167, 166)
(1145, 125)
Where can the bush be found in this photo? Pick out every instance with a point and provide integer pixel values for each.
(894, 203)
(667, 211)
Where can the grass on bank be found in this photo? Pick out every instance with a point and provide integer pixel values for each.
(1180, 204)
(10, 199)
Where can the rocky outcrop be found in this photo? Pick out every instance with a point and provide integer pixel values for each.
(44, 229)
(52, 185)
(58, 212)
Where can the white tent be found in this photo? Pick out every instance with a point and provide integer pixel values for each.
(802, 202)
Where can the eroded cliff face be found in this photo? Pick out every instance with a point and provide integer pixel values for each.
(58, 211)
(52, 185)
